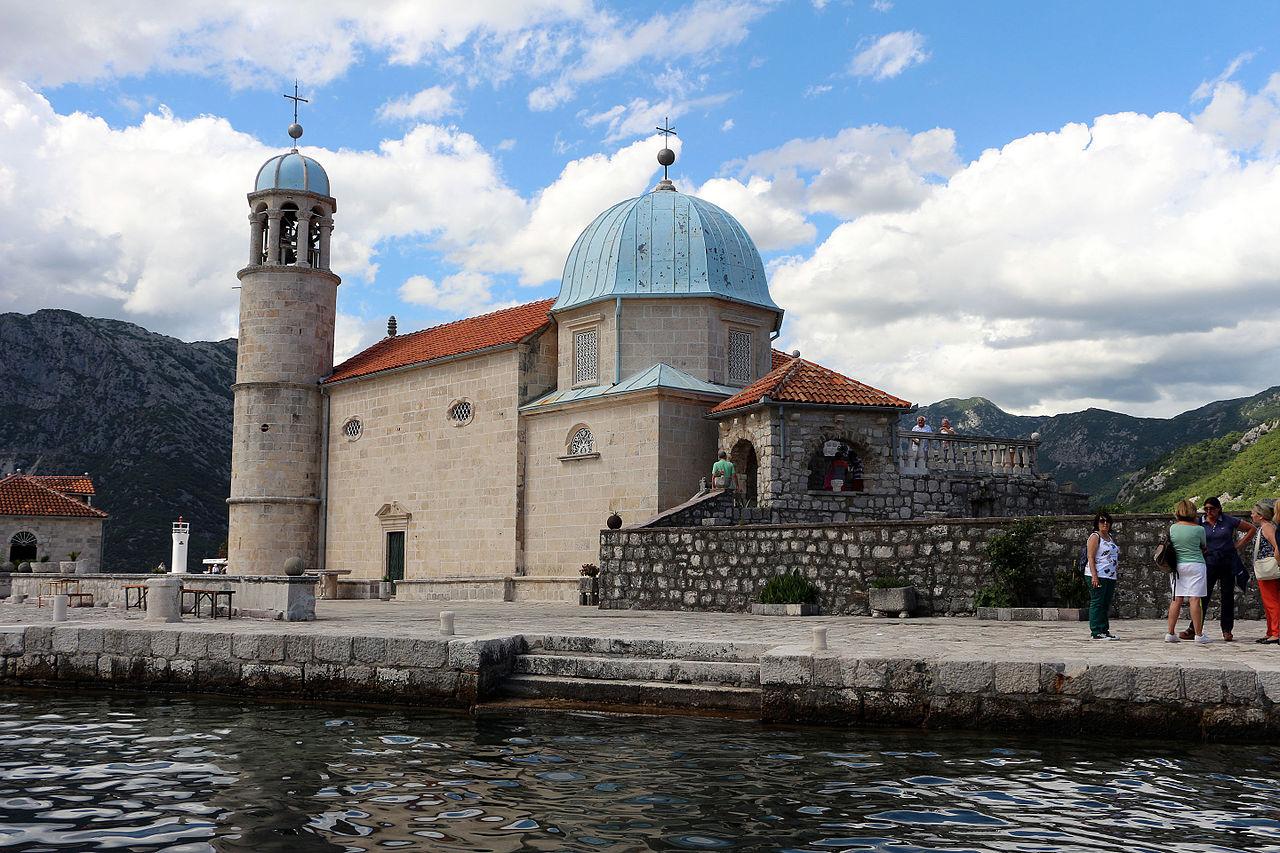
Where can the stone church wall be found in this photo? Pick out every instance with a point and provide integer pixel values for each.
(57, 537)
(721, 568)
(457, 483)
(687, 441)
(691, 335)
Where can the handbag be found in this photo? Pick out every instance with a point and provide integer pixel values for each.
(1264, 568)
(1166, 557)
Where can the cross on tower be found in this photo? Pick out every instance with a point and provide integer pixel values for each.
(295, 129)
(666, 156)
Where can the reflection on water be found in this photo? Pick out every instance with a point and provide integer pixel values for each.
(129, 773)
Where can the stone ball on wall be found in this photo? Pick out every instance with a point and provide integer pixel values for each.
(293, 567)
(614, 521)
(7, 567)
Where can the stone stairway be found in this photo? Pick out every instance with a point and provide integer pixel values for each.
(605, 672)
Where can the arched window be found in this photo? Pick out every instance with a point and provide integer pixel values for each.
(289, 233)
(835, 466)
(582, 442)
(23, 547)
(313, 237)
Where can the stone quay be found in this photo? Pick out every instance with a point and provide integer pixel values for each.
(928, 673)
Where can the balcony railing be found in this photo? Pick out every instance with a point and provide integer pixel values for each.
(922, 453)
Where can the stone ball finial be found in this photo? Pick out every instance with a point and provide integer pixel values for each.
(391, 326)
(293, 566)
(666, 157)
(795, 353)
(614, 521)
(295, 130)
(1035, 436)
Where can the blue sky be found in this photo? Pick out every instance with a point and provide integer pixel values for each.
(1131, 155)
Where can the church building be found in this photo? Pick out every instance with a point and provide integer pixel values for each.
(481, 458)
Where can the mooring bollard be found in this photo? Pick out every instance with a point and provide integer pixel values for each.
(819, 639)
(60, 608)
(164, 598)
(446, 622)
(18, 598)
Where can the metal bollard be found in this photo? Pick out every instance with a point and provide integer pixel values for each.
(446, 622)
(60, 608)
(819, 639)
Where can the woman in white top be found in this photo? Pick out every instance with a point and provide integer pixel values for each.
(1102, 556)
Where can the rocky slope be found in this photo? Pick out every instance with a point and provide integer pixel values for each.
(147, 416)
(1099, 450)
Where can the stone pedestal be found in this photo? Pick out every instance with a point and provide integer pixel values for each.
(164, 599)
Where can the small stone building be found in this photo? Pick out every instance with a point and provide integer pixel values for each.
(50, 517)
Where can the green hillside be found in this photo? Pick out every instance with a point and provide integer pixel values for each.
(1240, 476)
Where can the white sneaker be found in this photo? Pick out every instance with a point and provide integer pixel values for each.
(1171, 638)
(1203, 640)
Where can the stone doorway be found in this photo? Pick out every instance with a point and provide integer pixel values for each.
(23, 547)
(743, 457)
(395, 555)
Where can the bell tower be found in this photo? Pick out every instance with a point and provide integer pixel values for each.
(288, 299)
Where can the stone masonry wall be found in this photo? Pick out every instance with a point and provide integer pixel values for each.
(56, 537)
(722, 568)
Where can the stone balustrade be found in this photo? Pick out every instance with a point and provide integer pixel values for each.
(921, 453)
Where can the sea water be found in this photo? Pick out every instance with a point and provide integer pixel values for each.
(99, 772)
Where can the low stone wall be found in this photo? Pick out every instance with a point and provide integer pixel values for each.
(439, 671)
(557, 588)
(724, 567)
(1062, 698)
(279, 597)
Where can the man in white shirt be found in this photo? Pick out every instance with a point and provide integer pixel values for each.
(920, 447)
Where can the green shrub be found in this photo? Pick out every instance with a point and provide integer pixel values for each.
(1011, 559)
(73, 556)
(1070, 588)
(791, 588)
(45, 558)
(889, 583)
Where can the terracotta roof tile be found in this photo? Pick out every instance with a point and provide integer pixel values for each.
(22, 495)
(799, 381)
(70, 484)
(778, 358)
(507, 326)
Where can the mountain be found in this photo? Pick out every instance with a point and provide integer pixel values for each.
(1097, 449)
(1240, 468)
(146, 415)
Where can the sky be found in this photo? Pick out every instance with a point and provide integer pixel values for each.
(1052, 205)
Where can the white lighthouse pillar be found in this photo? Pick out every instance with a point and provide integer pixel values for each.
(178, 558)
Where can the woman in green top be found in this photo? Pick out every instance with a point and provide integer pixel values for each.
(1190, 580)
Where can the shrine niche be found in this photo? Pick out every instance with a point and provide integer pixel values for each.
(743, 457)
(836, 465)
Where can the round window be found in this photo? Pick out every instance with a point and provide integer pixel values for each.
(461, 412)
(352, 429)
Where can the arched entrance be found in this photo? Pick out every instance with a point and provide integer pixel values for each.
(743, 457)
(23, 547)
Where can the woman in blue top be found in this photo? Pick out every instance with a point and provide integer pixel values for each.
(1101, 558)
(1189, 581)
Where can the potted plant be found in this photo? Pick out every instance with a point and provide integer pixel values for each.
(890, 595)
(386, 588)
(589, 584)
(789, 594)
(1011, 561)
(45, 567)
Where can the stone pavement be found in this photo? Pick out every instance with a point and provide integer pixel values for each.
(1140, 641)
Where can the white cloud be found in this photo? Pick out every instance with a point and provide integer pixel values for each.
(816, 90)
(882, 5)
(429, 104)
(889, 55)
(1122, 264)
(461, 293)
(1244, 121)
(610, 45)
(727, 125)
(771, 222)
(640, 117)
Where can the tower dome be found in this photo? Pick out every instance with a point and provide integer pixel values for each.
(664, 243)
(292, 171)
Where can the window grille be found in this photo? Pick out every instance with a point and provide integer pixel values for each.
(740, 361)
(25, 538)
(352, 429)
(585, 356)
(460, 412)
(582, 443)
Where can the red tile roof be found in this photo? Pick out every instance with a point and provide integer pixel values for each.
(71, 484)
(23, 495)
(796, 380)
(508, 326)
(778, 358)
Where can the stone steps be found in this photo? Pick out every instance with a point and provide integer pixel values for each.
(640, 669)
(687, 650)
(633, 693)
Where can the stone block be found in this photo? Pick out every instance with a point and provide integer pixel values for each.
(264, 648)
(1016, 677)
(786, 665)
(137, 643)
(219, 646)
(481, 653)
(1203, 685)
(866, 673)
(332, 649)
(408, 651)
(113, 640)
(371, 650)
(1111, 681)
(1240, 686)
(12, 642)
(910, 675)
(299, 649)
(1269, 682)
(828, 669)
(164, 643)
(66, 641)
(182, 671)
(193, 645)
(272, 678)
(1026, 614)
(38, 639)
(1157, 684)
(965, 676)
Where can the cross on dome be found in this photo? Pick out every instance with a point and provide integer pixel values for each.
(295, 129)
(666, 156)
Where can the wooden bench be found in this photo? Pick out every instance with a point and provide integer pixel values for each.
(69, 587)
(139, 596)
(79, 599)
(210, 595)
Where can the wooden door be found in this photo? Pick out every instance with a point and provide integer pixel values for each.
(395, 555)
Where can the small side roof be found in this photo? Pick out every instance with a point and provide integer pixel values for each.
(23, 495)
(508, 326)
(656, 376)
(796, 380)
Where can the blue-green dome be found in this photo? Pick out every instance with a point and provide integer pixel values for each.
(292, 171)
(664, 243)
